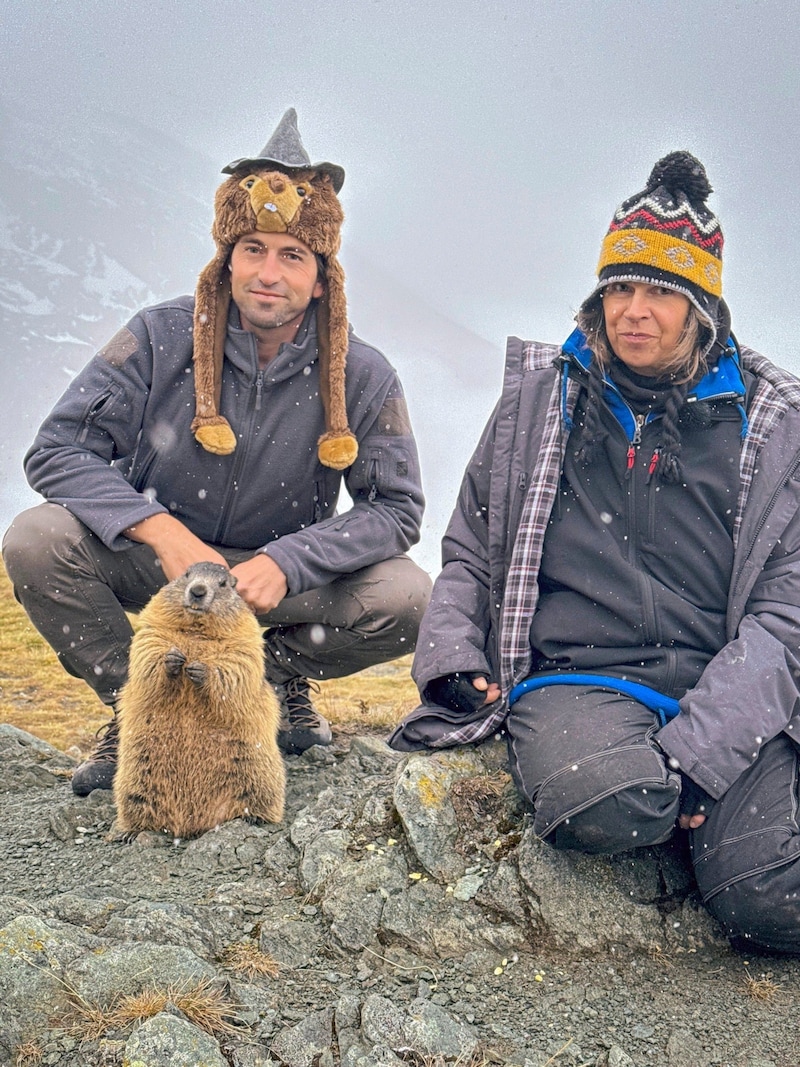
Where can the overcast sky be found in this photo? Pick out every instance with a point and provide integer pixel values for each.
(486, 143)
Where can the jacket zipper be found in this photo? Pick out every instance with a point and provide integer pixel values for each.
(635, 441)
(373, 480)
(91, 415)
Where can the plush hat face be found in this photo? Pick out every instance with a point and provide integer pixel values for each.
(302, 204)
(299, 200)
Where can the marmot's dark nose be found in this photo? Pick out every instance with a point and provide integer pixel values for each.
(198, 594)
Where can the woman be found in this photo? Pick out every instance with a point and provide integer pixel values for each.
(621, 577)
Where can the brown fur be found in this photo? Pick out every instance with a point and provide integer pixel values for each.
(315, 217)
(198, 721)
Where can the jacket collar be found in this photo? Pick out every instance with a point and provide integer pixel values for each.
(723, 381)
(241, 350)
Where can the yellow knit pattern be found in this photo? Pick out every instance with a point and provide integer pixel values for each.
(653, 248)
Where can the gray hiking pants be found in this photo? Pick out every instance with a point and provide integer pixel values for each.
(586, 761)
(76, 593)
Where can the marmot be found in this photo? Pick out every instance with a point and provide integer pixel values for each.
(198, 720)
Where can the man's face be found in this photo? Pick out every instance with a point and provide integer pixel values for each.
(273, 280)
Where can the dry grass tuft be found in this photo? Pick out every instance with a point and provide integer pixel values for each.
(246, 958)
(476, 1059)
(762, 988)
(28, 1055)
(202, 1004)
(38, 696)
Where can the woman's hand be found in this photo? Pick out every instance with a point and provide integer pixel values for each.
(464, 691)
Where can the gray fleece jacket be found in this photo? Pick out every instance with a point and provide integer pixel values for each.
(118, 448)
(747, 693)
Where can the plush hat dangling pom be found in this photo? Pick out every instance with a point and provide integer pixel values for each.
(278, 191)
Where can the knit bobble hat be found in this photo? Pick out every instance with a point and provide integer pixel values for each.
(667, 235)
(278, 191)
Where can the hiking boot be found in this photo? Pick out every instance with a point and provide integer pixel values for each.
(301, 725)
(98, 771)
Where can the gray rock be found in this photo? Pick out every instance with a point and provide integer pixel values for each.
(68, 821)
(12, 907)
(290, 942)
(91, 913)
(174, 924)
(501, 892)
(422, 799)
(255, 1009)
(220, 847)
(299, 1046)
(252, 1056)
(328, 813)
(615, 1057)
(382, 1022)
(431, 1031)
(18, 746)
(33, 956)
(684, 1050)
(166, 1041)
(99, 978)
(374, 756)
(556, 884)
(322, 855)
(425, 1028)
(428, 920)
(377, 1056)
(354, 898)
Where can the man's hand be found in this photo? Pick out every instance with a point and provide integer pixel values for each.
(260, 583)
(176, 547)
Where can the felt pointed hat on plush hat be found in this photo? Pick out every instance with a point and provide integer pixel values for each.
(278, 191)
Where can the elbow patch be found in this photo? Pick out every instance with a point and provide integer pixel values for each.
(121, 346)
(393, 420)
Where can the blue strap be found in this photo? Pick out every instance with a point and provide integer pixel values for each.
(665, 707)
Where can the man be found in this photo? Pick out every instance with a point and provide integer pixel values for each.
(221, 429)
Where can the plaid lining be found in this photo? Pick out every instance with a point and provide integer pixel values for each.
(522, 587)
(766, 408)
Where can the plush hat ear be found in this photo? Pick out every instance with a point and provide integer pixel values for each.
(212, 301)
(337, 448)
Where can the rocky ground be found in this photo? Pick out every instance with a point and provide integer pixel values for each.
(402, 913)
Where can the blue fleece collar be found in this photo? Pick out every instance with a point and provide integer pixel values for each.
(723, 381)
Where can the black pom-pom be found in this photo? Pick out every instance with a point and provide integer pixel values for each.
(680, 172)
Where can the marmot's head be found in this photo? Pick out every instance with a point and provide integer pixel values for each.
(278, 191)
(204, 591)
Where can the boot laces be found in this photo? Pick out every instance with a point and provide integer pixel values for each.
(297, 703)
(107, 743)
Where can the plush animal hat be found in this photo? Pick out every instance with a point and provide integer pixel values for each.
(667, 234)
(278, 191)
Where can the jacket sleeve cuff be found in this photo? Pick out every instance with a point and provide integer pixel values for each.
(681, 758)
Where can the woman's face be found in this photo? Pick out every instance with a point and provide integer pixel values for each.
(643, 324)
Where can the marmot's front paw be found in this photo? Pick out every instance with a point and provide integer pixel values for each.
(198, 672)
(173, 662)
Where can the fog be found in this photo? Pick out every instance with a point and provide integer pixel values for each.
(485, 144)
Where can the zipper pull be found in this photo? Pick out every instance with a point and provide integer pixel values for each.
(631, 460)
(653, 462)
(637, 433)
(259, 386)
